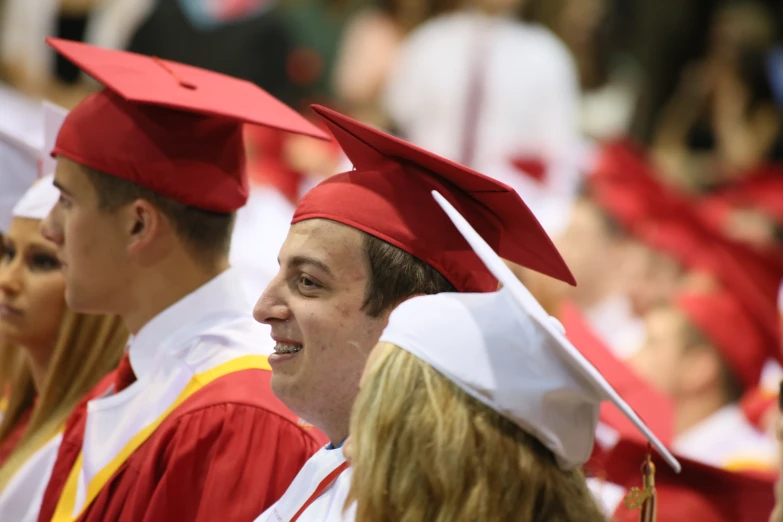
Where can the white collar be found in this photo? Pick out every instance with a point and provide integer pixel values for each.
(222, 295)
(729, 415)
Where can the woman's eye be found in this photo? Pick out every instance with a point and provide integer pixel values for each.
(45, 262)
(7, 254)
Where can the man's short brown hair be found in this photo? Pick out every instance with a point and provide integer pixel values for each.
(396, 275)
(207, 235)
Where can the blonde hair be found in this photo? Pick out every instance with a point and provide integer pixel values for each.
(12, 363)
(87, 348)
(423, 449)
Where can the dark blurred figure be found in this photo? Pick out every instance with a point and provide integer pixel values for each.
(598, 33)
(722, 120)
(247, 39)
(369, 49)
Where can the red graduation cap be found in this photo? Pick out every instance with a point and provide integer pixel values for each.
(653, 407)
(622, 184)
(388, 195)
(756, 403)
(627, 189)
(761, 189)
(699, 493)
(719, 316)
(169, 127)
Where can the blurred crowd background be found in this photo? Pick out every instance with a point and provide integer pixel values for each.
(647, 136)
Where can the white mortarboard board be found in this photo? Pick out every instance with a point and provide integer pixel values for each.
(21, 138)
(503, 349)
(42, 195)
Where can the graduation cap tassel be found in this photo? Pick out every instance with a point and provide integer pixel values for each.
(645, 499)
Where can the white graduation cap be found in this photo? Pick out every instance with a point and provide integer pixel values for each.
(504, 349)
(42, 195)
(21, 137)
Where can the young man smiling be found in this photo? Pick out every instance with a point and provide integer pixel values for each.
(151, 171)
(360, 243)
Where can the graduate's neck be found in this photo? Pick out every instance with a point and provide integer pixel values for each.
(38, 363)
(692, 410)
(334, 420)
(156, 288)
(337, 435)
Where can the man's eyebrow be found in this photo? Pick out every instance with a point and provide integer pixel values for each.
(298, 261)
(61, 188)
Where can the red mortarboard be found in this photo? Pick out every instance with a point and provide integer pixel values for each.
(699, 493)
(169, 127)
(756, 403)
(761, 189)
(388, 195)
(725, 322)
(629, 191)
(653, 407)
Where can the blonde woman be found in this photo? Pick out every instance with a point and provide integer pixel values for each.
(65, 354)
(476, 407)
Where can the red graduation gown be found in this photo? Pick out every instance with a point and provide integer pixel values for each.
(225, 454)
(9, 444)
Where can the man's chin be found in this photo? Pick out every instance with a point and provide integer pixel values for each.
(290, 392)
(79, 303)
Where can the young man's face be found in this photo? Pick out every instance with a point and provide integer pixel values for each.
(660, 360)
(589, 247)
(89, 244)
(652, 278)
(314, 306)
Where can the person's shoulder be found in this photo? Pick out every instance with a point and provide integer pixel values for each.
(244, 392)
(547, 44)
(441, 28)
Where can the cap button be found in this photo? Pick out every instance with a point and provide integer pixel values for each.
(174, 75)
(557, 324)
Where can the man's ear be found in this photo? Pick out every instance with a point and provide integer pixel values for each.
(141, 222)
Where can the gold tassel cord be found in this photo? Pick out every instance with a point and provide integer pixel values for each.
(644, 499)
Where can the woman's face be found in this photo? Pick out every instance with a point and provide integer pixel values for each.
(32, 288)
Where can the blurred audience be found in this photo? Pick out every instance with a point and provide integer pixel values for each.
(369, 50)
(481, 87)
(723, 119)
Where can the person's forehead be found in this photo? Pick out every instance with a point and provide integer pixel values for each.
(338, 246)
(70, 177)
(667, 319)
(28, 231)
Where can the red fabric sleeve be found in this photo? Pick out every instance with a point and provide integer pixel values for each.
(224, 463)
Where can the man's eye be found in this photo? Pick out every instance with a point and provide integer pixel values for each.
(307, 282)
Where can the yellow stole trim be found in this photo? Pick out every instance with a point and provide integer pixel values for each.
(67, 502)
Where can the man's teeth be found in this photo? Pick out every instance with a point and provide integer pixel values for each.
(287, 348)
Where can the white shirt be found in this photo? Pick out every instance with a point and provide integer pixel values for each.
(727, 440)
(259, 233)
(21, 498)
(328, 507)
(613, 320)
(529, 104)
(217, 312)
(21, 139)
(201, 331)
(608, 496)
